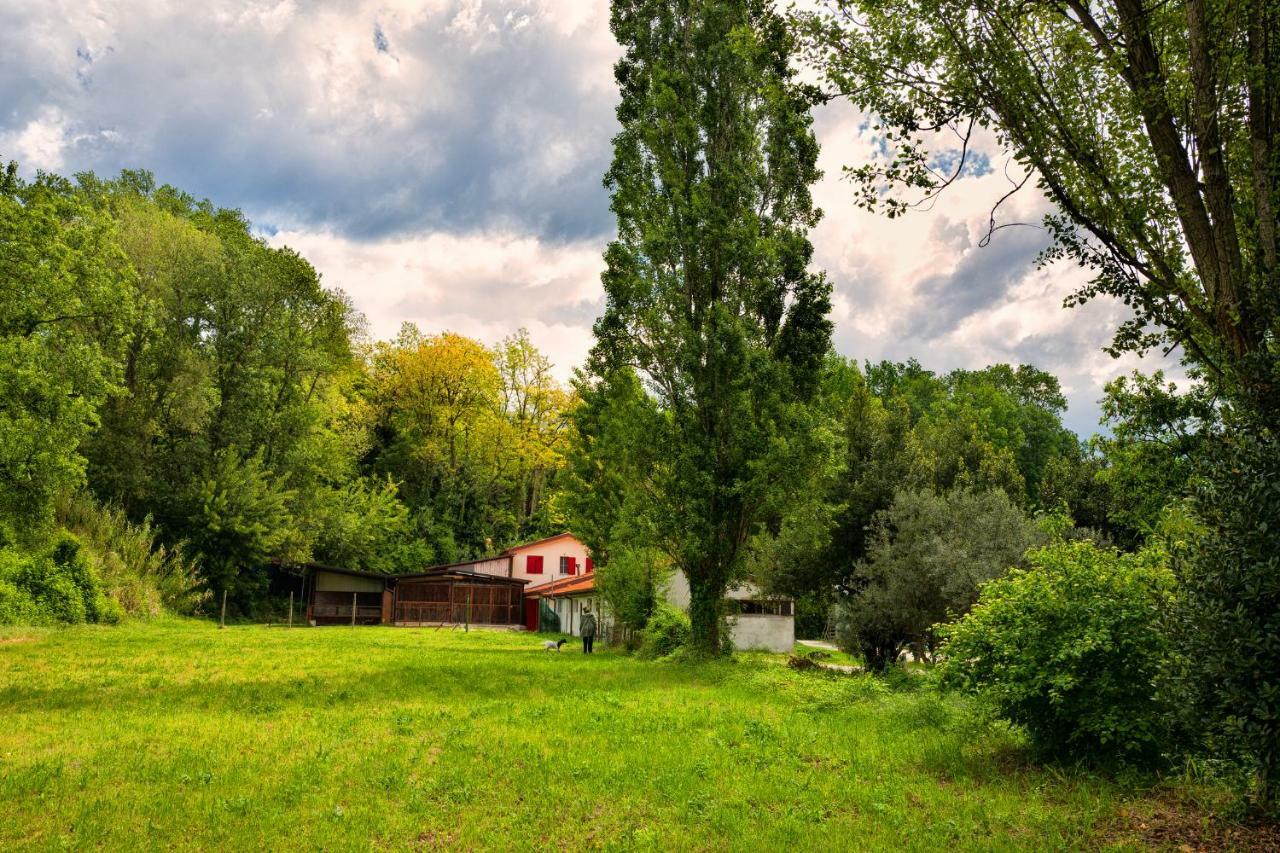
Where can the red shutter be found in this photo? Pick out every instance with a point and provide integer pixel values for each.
(571, 566)
(533, 564)
(591, 567)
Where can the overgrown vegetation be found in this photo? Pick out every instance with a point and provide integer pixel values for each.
(1070, 648)
(258, 737)
(179, 388)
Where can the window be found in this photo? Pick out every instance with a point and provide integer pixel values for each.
(533, 564)
(568, 565)
(591, 567)
(756, 607)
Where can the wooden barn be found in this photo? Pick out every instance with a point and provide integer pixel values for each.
(442, 595)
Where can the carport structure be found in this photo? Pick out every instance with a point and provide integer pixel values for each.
(443, 595)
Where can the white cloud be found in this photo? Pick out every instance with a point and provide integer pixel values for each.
(483, 285)
(441, 161)
(39, 144)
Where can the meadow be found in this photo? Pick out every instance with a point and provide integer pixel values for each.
(175, 734)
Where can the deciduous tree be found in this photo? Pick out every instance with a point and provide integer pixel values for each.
(708, 292)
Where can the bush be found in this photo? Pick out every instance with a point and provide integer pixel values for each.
(1070, 649)
(926, 557)
(630, 584)
(1224, 679)
(56, 585)
(141, 576)
(666, 633)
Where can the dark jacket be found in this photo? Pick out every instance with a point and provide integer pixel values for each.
(588, 627)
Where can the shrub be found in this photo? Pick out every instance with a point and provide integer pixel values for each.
(666, 633)
(56, 585)
(140, 575)
(1070, 649)
(630, 583)
(1224, 679)
(926, 557)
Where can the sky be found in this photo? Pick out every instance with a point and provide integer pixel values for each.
(441, 161)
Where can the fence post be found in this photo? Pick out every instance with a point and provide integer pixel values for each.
(222, 623)
(290, 608)
(353, 609)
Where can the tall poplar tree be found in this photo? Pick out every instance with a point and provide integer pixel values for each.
(709, 294)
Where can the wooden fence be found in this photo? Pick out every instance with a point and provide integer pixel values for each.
(456, 602)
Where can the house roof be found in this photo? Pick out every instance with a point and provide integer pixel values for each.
(456, 572)
(515, 548)
(564, 587)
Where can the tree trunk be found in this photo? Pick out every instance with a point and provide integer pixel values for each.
(705, 599)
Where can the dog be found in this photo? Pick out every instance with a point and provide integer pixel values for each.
(552, 645)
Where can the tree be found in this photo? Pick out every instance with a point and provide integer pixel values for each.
(927, 557)
(1152, 128)
(708, 293)
(1157, 435)
(1070, 648)
(536, 407)
(65, 286)
(609, 465)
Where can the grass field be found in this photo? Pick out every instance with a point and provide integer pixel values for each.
(178, 735)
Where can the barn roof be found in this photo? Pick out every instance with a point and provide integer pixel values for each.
(576, 585)
(515, 548)
(457, 573)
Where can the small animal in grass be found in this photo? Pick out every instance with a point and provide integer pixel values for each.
(552, 645)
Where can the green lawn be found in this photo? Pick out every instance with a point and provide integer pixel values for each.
(177, 734)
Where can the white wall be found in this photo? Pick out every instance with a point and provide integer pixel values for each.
(498, 566)
(758, 632)
(749, 631)
(570, 612)
(551, 552)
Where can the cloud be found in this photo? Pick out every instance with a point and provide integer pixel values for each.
(441, 161)
(374, 119)
(484, 285)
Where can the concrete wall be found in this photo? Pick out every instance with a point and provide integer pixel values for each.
(758, 632)
(551, 552)
(749, 631)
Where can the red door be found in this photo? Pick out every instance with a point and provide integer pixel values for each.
(531, 614)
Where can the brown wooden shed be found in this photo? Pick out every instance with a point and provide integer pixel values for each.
(452, 596)
(443, 595)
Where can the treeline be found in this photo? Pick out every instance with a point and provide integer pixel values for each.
(916, 471)
(167, 376)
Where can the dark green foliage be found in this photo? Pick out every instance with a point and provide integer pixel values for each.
(667, 632)
(708, 292)
(1225, 676)
(927, 557)
(1069, 648)
(631, 584)
(1156, 436)
(609, 457)
(54, 585)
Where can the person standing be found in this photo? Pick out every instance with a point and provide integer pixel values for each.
(588, 629)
